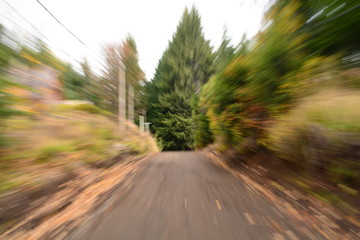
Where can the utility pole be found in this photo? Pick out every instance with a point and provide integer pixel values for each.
(122, 96)
(130, 102)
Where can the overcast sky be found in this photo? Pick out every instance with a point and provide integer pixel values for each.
(151, 22)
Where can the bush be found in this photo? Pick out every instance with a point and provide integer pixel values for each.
(202, 134)
(321, 135)
(48, 152)
(88, 108)
(332, 110)
(105, 133)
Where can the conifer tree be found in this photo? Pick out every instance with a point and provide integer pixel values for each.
(184, 67)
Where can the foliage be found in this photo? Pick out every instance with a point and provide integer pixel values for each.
(37, 145)
(7, 100)
(224, 54)
(175, 132)
(81, 85)
(72, 84)
(320, 135)
(121, 56)
(330, 26)
(281, 65)
(333, 110)
(110, 81)
(202, 134)
(130, 59)
(92, 90)
(135, 77)
(288, 90)
(61, 140)
(184, 67)
(49, 152)
(89, 108)
(41, 55)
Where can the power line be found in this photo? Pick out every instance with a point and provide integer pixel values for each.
(61, 24)
(67, 29)
(36, 30)
(331, 18)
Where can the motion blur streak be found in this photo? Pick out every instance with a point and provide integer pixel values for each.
(176, 195)
(260, 138)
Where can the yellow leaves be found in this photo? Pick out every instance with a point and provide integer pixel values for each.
(287, 85)
(287, 19)
(17, 91)
(233, 68)
(30, 58)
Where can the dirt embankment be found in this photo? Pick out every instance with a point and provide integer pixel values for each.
(57, 169)
(310, 194)
(56, 210)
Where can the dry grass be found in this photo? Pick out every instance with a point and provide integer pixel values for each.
(38, 145)
(321, 137)
(335, 111)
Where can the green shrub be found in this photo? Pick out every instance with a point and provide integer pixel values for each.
(47, 152)
(202, 134)
(87, 107)
(8, 184)
(105, 133)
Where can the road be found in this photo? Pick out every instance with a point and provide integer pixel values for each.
(184, 195)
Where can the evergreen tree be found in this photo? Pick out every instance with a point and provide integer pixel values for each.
(224, 54)
(73, 84)
(184, 67)
(202, 134)
(92, 89)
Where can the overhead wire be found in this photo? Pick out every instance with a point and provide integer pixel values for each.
(28, 22)
(69, 31)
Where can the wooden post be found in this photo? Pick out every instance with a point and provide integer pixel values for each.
(141, 123)
(147, 127)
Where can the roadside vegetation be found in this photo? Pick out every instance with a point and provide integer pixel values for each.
(56, 118)
(288, 98)
(64, 139)
(289, 95)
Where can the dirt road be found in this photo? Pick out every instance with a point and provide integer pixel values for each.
(184, 195)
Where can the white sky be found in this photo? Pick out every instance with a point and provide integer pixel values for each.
(151, 22)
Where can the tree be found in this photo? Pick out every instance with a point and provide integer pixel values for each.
(110, 81)
(92, 88)
(133, 74)
(330, 25)
(184, 67)
(73, 84)
(254, 82)
(224, 54)
(6, 99)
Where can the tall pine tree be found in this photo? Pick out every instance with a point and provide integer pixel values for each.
(184, 67)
